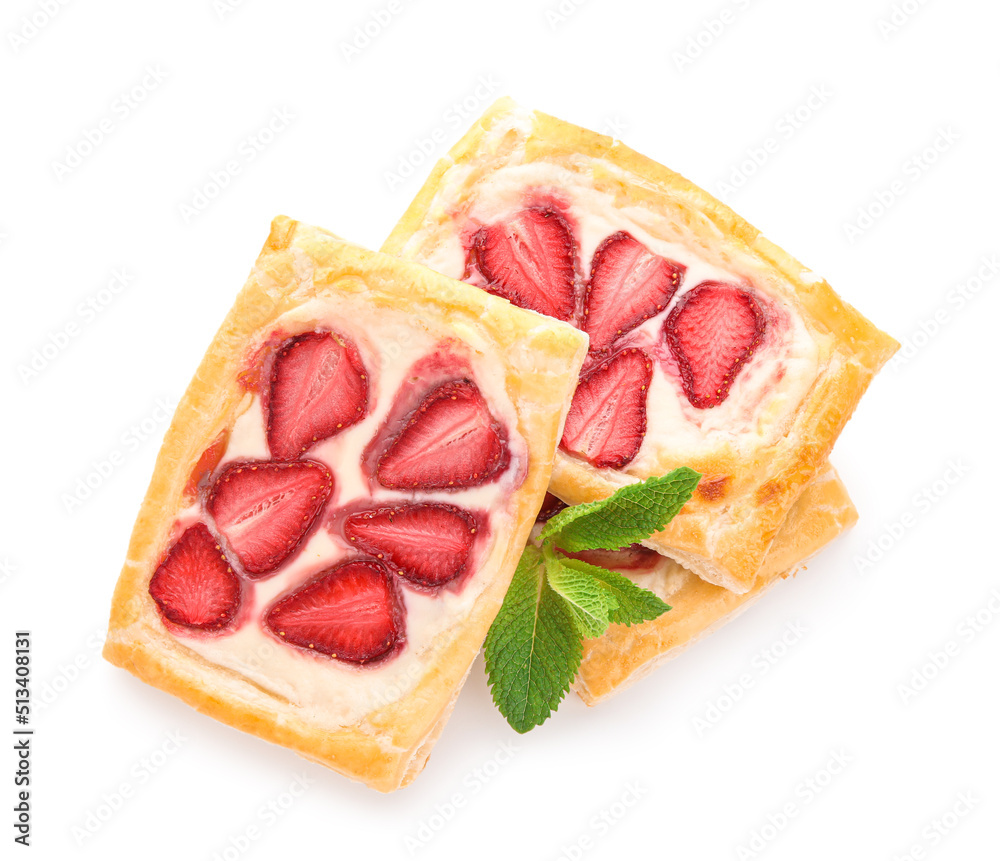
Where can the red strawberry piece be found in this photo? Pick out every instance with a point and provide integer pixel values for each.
(635, 557)
(551, 506)
(319, 386)
(530, 260)
(450, 441)
(264, 509)
(194, 585)
(628, 285)
(428, 543)
(207, 463)
(712, 332)
(606, 422)
(351, 612)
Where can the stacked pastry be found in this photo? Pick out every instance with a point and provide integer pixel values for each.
(347, 485)
(709, 347)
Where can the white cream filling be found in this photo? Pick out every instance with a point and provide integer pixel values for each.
(328, 692)
(768, 389)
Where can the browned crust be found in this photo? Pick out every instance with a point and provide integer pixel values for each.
(623, 655)
(725, 536)
(298, 263)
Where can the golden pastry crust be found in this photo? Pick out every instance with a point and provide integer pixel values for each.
(624, 655)
(724, 533)
(389, 746)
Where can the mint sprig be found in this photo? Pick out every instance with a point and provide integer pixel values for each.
(534, 647)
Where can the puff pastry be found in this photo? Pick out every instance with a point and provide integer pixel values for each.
(624, 655)
(575, 224)
(372, 706)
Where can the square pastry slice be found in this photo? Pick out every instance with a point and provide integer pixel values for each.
(624, 655)
(340, 503)
(709, 346)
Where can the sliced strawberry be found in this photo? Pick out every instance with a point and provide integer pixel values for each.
(635, 557)
(207, 463)
(712, 332)
(628, 285)
(264, 509)
(319, 386)
(530, 260)
(351, 612)
(450, 441)
(606, 422)
(194, 585)
(429, 543)
(551, 506)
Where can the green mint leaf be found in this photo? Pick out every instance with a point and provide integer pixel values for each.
(630, 515)
(533, 649)
(534, 646)
(589, 601)
(629, 604)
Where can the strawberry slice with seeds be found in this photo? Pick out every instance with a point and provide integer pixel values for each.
(450, 441)
(265, 509)
(551, 506)
(628, 285)
(194, 585)
(606, 422)
(351, 612)
(530, 260)
(318, 388)
(427, 543)
(711, 333)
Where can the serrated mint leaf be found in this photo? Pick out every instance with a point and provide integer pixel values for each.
(630, 515)
(629, 604)
(590, 602)
(533, 649)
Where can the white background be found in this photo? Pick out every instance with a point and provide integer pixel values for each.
(918, 456)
